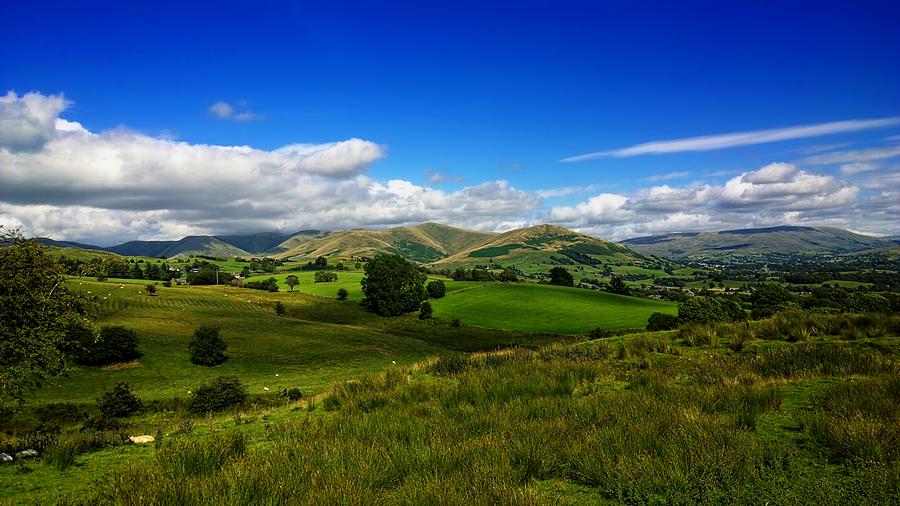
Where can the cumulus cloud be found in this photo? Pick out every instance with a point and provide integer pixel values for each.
(28, 122)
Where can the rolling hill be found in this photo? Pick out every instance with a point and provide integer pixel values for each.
(190, 245)
(784, 240)
(421, 243)
(539, 245)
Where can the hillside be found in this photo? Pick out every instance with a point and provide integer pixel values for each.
(529, 246)
(190, 245)
(260, 242)
(757, 241)
(421, 243)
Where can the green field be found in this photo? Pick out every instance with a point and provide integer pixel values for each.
(544, 308)
(346, 280)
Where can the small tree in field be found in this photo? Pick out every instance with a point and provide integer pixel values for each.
(151, 289)
(436, 289)
(342, 294)
(392, 285)
(560, 276)
(118, 402)
(279, 308)
(425, 311)
(207, 347)
(292, 281)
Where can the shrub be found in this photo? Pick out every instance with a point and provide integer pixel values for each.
(599, 333)
(455, 323)
(425, 311)
(769, 299)
(279, 308)
(710, 309)
(151, 289)
(224, 392)
(325, 277)
(292, 394)
(114, 344)
(118, 402)
(342, 294)
(270, 285)
(207, 347)
(436, 289)
(560, 276)
(662, 321)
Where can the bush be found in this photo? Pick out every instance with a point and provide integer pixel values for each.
(118, 402)
(769, 299)
(425, 310)
(560, 276)
(114, 344)
(436, 289)
(509, 275)
(207, 347)
(292, 394)
(279, 308)
(710, 309)
(599, 333)
(662, 321)
(325, 277)
(224, 392)
(151, 289)
(270, 285)
(342, 294)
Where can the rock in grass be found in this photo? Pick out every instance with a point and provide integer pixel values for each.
(5, 457)
(139, 440)
(26, 454)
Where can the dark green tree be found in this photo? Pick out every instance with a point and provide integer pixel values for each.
(279, 308)
(616, 285)
(207, 347)
(436, 289)
(292, 281)
(321, 262)
(223, 392)
(342, 294)
(425, 310)
(771, 298)
(114, 344)
(136, 272)
(661, 321)
(560, 276)
(118, 402)
(37, 312)
(392, 285)
(509, 275)
(710, 309)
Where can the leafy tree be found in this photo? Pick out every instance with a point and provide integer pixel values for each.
(392, 285)
(114, 344)
(771, 298)
(292, 281)
(207, 347)
(662, 321)
(436, 289)
(223, 392)
(560, 276)
(710, 309)
(245, 272)
(616, 285)
(118, 402)
(509, 275)
(321, 262)
(151, 289)
(270, 284)
(325, 277)
(279, 308)
(37, 311)
(136, 272)
(205, 276)
(342, 294)
(425, 310)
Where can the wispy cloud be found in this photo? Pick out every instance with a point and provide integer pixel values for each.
(730, 140)
(440, 177)
(668, 177)
(856, 156)
(224, 110)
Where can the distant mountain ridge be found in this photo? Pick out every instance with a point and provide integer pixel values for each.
(782, 240)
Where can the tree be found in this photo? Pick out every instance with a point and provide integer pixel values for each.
(321, 262)
(342, 294)
(560, 276)
(769, 299)
(425, 310)
(392, 285)
(114, 344)
(292, 281)
(616, 285)
(710, 309)
(151, 289)
(118, 402)
(436, 289)
(509, 275)
(136, 272)
(222, 393)
(207, 347)
(279, 308)
(37, 312)
(325, 277)
(662, 321)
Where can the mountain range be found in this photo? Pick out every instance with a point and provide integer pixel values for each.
(442, 246)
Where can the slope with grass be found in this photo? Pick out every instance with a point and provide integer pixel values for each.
(544, 308)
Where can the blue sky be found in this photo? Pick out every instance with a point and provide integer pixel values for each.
(464, 102)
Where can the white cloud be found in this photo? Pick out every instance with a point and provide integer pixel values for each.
(730, 140)
(224, 110)
(857, 156)
(28, 122)
(668, 177)
(850, 169)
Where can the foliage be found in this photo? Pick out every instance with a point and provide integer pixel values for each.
(36, 312)
(560, 276)
(342, 294)
(436, 289)
(207, 347)
(223, 392)
(114, 344)
(269, 285)
(325, 277)
(710, 309)
(661, 321)
(392, 285)
(509, 275)
(770, 298)
(616, 285)
(425, 310)
(118, 402)
(205, 276)
(151, 289)
(279, 308)
(292, 281)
